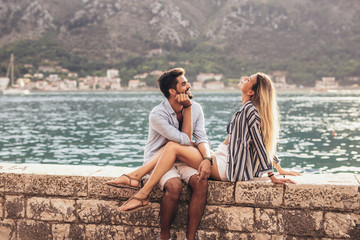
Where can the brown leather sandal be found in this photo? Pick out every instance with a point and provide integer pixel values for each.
(124, 185)
(142, 205)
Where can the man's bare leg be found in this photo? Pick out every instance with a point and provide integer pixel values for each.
(196, 205)
(169, 206)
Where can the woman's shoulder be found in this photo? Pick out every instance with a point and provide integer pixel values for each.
(249, 107)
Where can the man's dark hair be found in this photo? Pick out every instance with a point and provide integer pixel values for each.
(168, 80)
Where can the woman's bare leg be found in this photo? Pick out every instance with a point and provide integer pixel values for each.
(172, 151)
(139, 172)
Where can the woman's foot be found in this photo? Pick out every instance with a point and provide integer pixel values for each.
(125, 181)
(137, 202)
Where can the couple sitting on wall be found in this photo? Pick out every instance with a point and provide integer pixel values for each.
(170, 155)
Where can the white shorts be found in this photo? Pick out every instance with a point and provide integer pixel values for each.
(178, 170)
(221, 160)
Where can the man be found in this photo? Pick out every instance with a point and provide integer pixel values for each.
(178, 119)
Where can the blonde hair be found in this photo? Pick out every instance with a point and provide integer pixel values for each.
(264, 99)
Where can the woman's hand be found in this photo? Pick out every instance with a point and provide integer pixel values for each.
(292, 173)
(283, 181)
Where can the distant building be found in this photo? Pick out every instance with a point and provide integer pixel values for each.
(41, 85)
(46, 69)
(112, 73)
(326, 83)
(68, 85)
(28, 66)
(209, 76)
(215, 85)
(4, 83)
(135, 84)
(28, 75)
(72, 75)
(53, 78)
(64, 70)
(157, 73)
(141, 76)
(38, 75)
(115, 84)
(197, 85)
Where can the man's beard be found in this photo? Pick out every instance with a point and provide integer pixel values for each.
(190, 95)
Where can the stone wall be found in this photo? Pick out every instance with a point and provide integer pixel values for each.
(71, 202)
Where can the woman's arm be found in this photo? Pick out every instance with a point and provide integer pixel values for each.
(284, 172)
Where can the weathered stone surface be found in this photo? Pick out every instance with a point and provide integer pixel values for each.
(235, 236)
(265, 236)
(105, 232)
(98, 211)
(33, 230)
(146, 217)
(46, 184)
(14, 207)
(2, 183)
(208, 235)
(229, 218)
(68, 232)
(322, 196)
(1, 207)
(300, 222)
(98, 189)
(258, 194)
(51, 209)
(265, 220)
(342, 225)
(221, 192)
(8, 229)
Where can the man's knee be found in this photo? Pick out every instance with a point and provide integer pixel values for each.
(173, 187)
(199, 187)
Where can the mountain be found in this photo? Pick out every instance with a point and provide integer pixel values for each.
(306, 38)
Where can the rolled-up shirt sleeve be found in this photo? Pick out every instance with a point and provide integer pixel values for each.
(164, 128)
(199, 128)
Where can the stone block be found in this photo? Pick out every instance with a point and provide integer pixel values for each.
(221, 192)
(2, 206)
(146, 217)
(228, 218)
(342, 225)
(14, 206)
(33, 230)
(8, 229)
(46, 185)
(2, 183)
(265, 220)
(68, 232)
(105, 232)
(98, 189)
(265, 236)
(51, 209)
(300, 222)
(343, 197)
(208, 235)
(98, 211)
(235, 236)
(258, 193)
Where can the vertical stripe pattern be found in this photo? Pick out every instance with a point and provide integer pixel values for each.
(247, 157)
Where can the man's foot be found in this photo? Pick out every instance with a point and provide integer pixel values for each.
(125, 181)
(136, 203)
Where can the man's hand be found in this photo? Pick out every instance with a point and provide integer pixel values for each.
(183, 99)
(204, 170)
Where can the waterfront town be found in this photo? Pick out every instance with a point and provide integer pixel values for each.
(52, 78)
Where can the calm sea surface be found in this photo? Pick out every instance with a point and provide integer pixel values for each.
(320, 132)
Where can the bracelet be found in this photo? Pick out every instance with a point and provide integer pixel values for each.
(188, 105)
(271, 175)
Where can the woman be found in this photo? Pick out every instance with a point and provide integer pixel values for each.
(247, 152)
